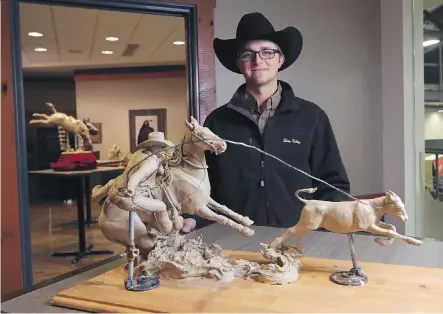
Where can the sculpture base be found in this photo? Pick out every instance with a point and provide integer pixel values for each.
(142, 283)
(353, 277)
(397, 289)
(72, 161)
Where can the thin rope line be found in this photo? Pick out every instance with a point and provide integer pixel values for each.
(261, 151)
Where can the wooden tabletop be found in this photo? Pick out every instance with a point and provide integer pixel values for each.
(316, 244)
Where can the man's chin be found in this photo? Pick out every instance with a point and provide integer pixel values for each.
(259, 81)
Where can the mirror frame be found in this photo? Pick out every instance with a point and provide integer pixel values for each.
(201, 87)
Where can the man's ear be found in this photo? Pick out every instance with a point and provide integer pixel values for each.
(282, 60)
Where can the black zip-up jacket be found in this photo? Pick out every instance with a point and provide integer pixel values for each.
(260, 187)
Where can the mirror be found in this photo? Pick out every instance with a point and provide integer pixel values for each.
(121, 74)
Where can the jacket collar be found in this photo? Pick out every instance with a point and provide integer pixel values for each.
(288, 100)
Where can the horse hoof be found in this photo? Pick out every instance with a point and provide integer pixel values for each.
(246, 221)
(248, 232)
(415, 242)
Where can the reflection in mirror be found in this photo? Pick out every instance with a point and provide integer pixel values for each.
(99, 82)
(433, 123)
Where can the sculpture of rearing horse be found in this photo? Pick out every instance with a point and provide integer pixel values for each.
(184, 189)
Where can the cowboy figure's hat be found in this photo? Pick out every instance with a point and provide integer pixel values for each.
(254, 26)
(157, 139)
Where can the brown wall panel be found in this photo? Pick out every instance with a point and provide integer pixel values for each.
(10, 227)
(206, 55)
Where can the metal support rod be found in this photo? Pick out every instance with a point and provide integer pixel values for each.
(130, 245)
(352, 250)
(355, 276)
(140, 283)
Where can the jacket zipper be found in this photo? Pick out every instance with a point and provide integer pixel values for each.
(263, 172)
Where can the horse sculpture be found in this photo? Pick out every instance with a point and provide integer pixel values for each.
(184, 188)
(67, 124)
(349, 217)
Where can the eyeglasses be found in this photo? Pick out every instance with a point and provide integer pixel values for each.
(264, 54)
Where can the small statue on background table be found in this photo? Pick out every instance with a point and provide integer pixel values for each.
(117, 155)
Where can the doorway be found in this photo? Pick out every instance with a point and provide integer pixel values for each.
(91, 75)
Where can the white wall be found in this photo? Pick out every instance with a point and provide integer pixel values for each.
(109, 102)
(433, 125)
(339, 69)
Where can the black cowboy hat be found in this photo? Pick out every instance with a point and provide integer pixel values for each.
(254, 26)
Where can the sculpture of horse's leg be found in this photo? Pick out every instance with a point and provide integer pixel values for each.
(41, 116)
(141, 204)
(206, 213)
(244, 220)
(178, 220)
(100, 191)
(80, 142)
(393, 234)
(295, 230)
(163, 223)
(117, 231)
(389, 241)
(38, 121)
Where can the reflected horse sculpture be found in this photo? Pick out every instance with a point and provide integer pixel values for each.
(67, 124)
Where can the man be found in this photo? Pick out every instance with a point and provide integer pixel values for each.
(265, 113)
(131, 191)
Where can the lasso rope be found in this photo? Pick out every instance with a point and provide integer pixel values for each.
(248, 146)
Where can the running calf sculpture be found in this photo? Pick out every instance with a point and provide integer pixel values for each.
(349, 217)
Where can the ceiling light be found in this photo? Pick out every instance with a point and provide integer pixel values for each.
(441, 110)
(40, 49)
(430, 42)
(111, 38)
(35, 34)
(179, 42)
(107, 52)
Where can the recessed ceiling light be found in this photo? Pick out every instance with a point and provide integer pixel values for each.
(35, 34)
(179, 42)
(107, 52)
(40, 49)
(111, 38)
(441, 110)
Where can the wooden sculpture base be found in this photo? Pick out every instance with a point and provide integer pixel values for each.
(391, 288)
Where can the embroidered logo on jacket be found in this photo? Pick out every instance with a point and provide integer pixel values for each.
(292, 141)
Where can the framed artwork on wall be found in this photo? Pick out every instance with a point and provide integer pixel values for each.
(97, 139)
(144, 121)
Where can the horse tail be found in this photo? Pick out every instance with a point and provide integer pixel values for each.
(310, 191)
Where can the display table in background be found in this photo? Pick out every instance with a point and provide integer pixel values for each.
(415, 289)
(83, 192)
